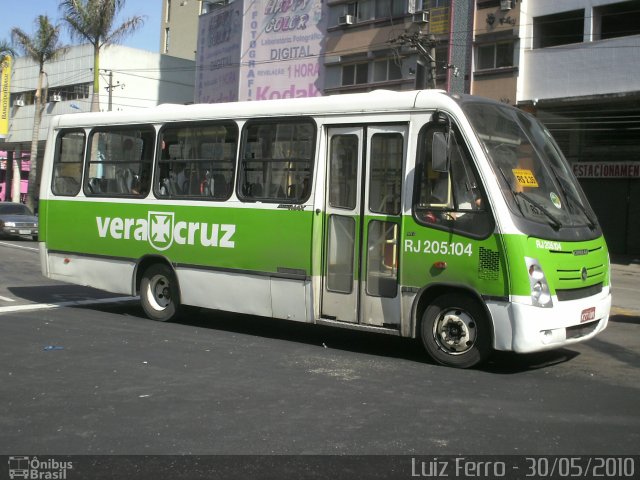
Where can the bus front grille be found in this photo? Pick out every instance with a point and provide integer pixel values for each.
(577, 293)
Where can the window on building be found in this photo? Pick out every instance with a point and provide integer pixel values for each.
(167, 39)
(70, 92)
(558, 29)
(120, 161)
(390, 8)
(355, 74)
(386, 70)
(168, 18)
(421, 5)
(617, 20)
(277, 161)
(197, 160)
(359, 11)
(495, 55)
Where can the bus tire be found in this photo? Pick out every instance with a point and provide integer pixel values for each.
(455, 331)
(159, 294)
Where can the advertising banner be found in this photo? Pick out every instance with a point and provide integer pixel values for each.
(260, 50)
(5, 81)
(283, 47)
(218, 57)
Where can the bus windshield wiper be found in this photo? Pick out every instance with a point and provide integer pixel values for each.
(591, 223)
(553, 221)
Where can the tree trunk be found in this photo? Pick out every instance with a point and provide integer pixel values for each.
(95, 99)
(16, 179)
(32, 189)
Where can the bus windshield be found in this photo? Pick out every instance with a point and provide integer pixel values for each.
(535, 178)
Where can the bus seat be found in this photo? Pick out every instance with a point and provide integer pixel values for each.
(94, 185)
(219, 186)
(66, 186)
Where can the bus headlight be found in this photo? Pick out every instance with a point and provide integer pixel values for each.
(540, 293)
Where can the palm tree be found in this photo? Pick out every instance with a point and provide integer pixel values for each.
(92, 20)
(42, 47)
(5, 49)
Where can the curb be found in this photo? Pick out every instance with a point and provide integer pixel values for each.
(624, 312)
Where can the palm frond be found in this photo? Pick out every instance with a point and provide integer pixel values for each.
(6, 49)
(129, 26)
(44, 45)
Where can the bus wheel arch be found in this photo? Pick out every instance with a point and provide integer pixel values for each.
(453, 325)
(158, 287)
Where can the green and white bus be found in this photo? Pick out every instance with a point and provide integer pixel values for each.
(452, 219)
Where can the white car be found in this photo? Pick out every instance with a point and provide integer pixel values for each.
(17, 220)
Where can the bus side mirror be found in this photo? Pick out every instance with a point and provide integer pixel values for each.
(440, 152)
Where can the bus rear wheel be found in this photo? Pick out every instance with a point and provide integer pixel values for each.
(159, 293)
(455, 331)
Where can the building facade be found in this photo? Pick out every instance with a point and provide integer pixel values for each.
(397, 45)
(129, 79)
(580, 74)
(574, 64)
(179, 27)
(496, 48)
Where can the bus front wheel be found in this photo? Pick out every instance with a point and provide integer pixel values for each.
(455, 331)
(159, 293)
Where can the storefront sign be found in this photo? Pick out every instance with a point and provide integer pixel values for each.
(5, 79)
(607, 169)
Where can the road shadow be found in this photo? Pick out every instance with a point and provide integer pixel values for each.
(360, 342)
(57, 293)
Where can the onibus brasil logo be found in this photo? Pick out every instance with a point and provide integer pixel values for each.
(162, 230)
(38, 469)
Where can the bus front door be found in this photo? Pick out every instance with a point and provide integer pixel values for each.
(363, 208)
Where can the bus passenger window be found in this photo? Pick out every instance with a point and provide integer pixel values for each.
(277, 161)
(67, 163)
(119, 161)
(197, 160)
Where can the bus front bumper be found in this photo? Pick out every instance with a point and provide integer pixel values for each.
(525, 328)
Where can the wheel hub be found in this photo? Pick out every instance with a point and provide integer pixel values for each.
(455, 332)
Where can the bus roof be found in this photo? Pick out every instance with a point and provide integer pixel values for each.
(355, 103)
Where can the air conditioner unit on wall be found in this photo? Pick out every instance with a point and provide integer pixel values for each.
(345, 20)
(56, 97)
(18, 102)
(506, 5)
(420, 17)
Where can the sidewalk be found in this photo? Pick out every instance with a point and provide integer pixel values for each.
(626, 262)
(625, 281)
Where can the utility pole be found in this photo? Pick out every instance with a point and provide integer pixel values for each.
(425, 45)
(109, 88)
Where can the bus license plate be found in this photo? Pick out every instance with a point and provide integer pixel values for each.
(24, 232)
(588, 314)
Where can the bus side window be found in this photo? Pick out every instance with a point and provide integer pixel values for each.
(453, 199)
(67, 163)
(277, 161)
(119, 161)
(197, 160)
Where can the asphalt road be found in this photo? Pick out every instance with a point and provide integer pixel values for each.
(101, 379)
